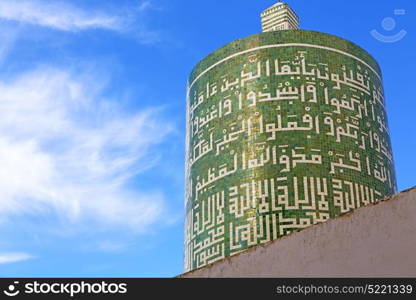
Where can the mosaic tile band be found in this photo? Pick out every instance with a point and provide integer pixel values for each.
(284, 130)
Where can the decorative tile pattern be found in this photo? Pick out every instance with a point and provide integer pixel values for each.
(284, 130)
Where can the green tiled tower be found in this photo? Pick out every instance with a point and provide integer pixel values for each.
(285, 129)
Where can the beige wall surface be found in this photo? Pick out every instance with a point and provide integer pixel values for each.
(375, 241)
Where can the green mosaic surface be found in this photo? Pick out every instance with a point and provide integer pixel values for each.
(285, 130)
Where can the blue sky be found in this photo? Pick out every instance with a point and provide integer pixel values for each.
(92, 126)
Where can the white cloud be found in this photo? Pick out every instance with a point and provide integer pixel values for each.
(62, 15)
(145, 5)
(67, 151)
(6, 258)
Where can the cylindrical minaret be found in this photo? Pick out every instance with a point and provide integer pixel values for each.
(285, 129)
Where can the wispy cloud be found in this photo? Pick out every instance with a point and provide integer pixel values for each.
(6, 258)
(58, 15)
(66, 150)
(63, 16)
(145, 5)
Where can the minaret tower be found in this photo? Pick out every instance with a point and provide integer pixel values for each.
(285, 129)
(279, 17)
